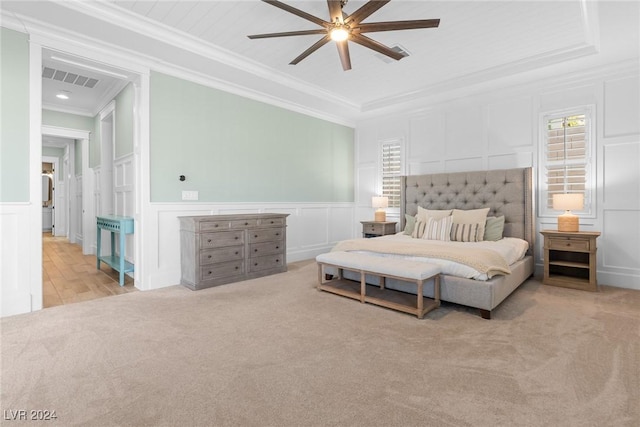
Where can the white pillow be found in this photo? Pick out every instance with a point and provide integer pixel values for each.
(472, 216)
(438, 229)
(424, 214)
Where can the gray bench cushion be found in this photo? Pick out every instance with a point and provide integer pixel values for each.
(415, 270)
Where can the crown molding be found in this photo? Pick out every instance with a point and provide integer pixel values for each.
(67, 110)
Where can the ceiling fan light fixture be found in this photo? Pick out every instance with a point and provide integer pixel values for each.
(339, 34)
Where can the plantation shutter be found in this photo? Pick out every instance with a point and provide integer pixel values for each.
(391, 172)
(566, 156)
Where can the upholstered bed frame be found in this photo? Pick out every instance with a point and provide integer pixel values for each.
(506, 192)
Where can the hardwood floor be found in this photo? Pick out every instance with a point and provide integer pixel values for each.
(68, 276)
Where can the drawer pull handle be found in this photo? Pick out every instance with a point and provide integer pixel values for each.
(236, 252)
(246, 223)
(215, 225)
(236, 237)
(277, 234)
(277, 247)
(237, 267)
(277, 260)
(255, 263)
(209, 272)
(569, 244)
(271, 222)
(255, 250)
(255, 235)
(209, 257)
(209, 241)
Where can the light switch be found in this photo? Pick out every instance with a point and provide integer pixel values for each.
(189, 195)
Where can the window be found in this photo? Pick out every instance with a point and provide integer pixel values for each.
(566, 157)
(391, 171)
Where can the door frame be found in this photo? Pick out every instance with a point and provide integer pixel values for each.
(87, 209)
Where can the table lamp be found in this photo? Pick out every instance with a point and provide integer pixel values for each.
(380, 202)
(566, 202)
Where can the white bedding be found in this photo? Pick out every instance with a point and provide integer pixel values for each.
(509, 248)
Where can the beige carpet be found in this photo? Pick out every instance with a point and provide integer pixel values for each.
(276, 352)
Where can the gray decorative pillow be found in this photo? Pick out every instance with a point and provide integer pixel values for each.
(494, 228)
(409, 224)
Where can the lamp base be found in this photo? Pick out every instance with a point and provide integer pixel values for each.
(380, 216)
(568, 222)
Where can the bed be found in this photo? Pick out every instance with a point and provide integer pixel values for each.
(506, 192)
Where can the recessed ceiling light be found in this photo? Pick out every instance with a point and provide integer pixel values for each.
(62, 95)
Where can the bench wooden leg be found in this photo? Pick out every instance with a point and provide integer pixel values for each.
(363, 286)
(485, 314)
(420, 302)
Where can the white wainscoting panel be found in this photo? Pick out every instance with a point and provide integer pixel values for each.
(509, 124)
(621, 175)
(622, 107)
(619, 248)
(514, 160)
(15, 295)
(124, 192)
(464, 133)
(461, 165)
(77, 226)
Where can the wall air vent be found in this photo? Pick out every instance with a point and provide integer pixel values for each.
(396, 48)
(71, 78)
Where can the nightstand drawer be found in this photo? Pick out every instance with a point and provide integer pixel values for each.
(373, 228)
(569, 244)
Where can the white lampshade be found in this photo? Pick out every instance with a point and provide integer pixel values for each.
(568, 202)
(380, 201)
(568, 222)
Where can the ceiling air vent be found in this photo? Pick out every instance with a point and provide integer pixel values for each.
(71, 78)
(396, 48)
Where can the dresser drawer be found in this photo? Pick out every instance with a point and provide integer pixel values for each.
(244, 223)
(266, 235)
(223, 269)
(373, 228)
(223, 238)
(272, 221)
(214, 225)
(266, 262)
(229, 253)
(569, 244)
(267, 248)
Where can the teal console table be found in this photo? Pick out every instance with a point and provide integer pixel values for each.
(115, 224)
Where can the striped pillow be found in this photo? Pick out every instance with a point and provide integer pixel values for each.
(438, 229)
(464, 232)
(418, 230)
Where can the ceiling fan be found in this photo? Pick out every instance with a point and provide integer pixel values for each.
(343, 28)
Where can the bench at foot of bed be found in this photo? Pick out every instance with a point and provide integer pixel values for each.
(383, 268)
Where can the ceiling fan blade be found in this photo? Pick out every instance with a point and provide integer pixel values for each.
(345, 58)
(335, 10)
(365, 11)
(397, 25)
(374, 45)
(297, 12)
(317, 45)
(288, 33)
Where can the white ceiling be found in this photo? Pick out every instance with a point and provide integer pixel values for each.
(478, 43)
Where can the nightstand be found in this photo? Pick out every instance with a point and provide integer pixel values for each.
(570, 259)
(377, 229)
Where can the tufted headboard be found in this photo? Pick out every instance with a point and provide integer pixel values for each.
(505, 192)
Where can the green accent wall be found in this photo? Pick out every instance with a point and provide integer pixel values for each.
(14, 116)
(234, 149)
(124, 121)
(67, 120)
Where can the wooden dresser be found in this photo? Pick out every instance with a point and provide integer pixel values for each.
(219, 249)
